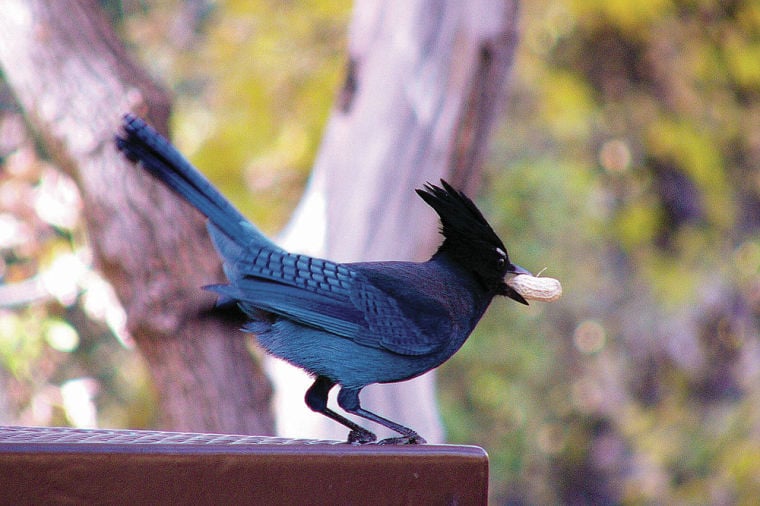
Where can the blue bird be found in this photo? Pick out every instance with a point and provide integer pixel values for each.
(347, 324)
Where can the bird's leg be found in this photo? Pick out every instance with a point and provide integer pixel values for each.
(316, 399)
(348, 399)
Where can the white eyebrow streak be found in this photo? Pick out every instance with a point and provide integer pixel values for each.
(501, 252)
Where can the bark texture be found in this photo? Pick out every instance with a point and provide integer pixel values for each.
(74, 80)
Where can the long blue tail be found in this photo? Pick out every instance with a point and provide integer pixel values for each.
(141, 143)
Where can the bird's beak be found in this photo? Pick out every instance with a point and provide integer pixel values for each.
(516, 269)
(509, 291)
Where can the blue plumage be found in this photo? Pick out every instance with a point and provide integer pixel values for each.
(349, 324)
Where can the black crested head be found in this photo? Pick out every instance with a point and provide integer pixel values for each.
(462, 223)
(469, 239)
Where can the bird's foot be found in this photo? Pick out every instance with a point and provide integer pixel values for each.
(361, 436)
(411, 439)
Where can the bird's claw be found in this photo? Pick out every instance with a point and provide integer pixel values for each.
(361, 437)
(411, 439)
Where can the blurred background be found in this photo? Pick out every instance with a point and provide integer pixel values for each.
(627, 163)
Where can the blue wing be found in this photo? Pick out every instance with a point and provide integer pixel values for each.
(320, 294)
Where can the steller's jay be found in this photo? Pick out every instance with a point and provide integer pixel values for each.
(350, 324)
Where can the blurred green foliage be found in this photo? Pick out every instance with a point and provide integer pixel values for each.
(628, 164)
(254, 82)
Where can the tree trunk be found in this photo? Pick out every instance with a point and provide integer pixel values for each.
(74, 80)
(424, 82)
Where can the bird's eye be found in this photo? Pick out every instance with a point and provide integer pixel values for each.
(501, 258)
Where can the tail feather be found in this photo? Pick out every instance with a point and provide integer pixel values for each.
(228, 248)
(141, 143)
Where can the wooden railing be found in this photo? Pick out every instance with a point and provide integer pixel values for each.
(46, 465)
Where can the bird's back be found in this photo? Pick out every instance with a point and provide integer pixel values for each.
(433, 299)
(442, 300)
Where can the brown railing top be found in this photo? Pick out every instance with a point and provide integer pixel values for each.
(52, 465)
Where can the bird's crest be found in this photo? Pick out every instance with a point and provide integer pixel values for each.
(462, 224)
